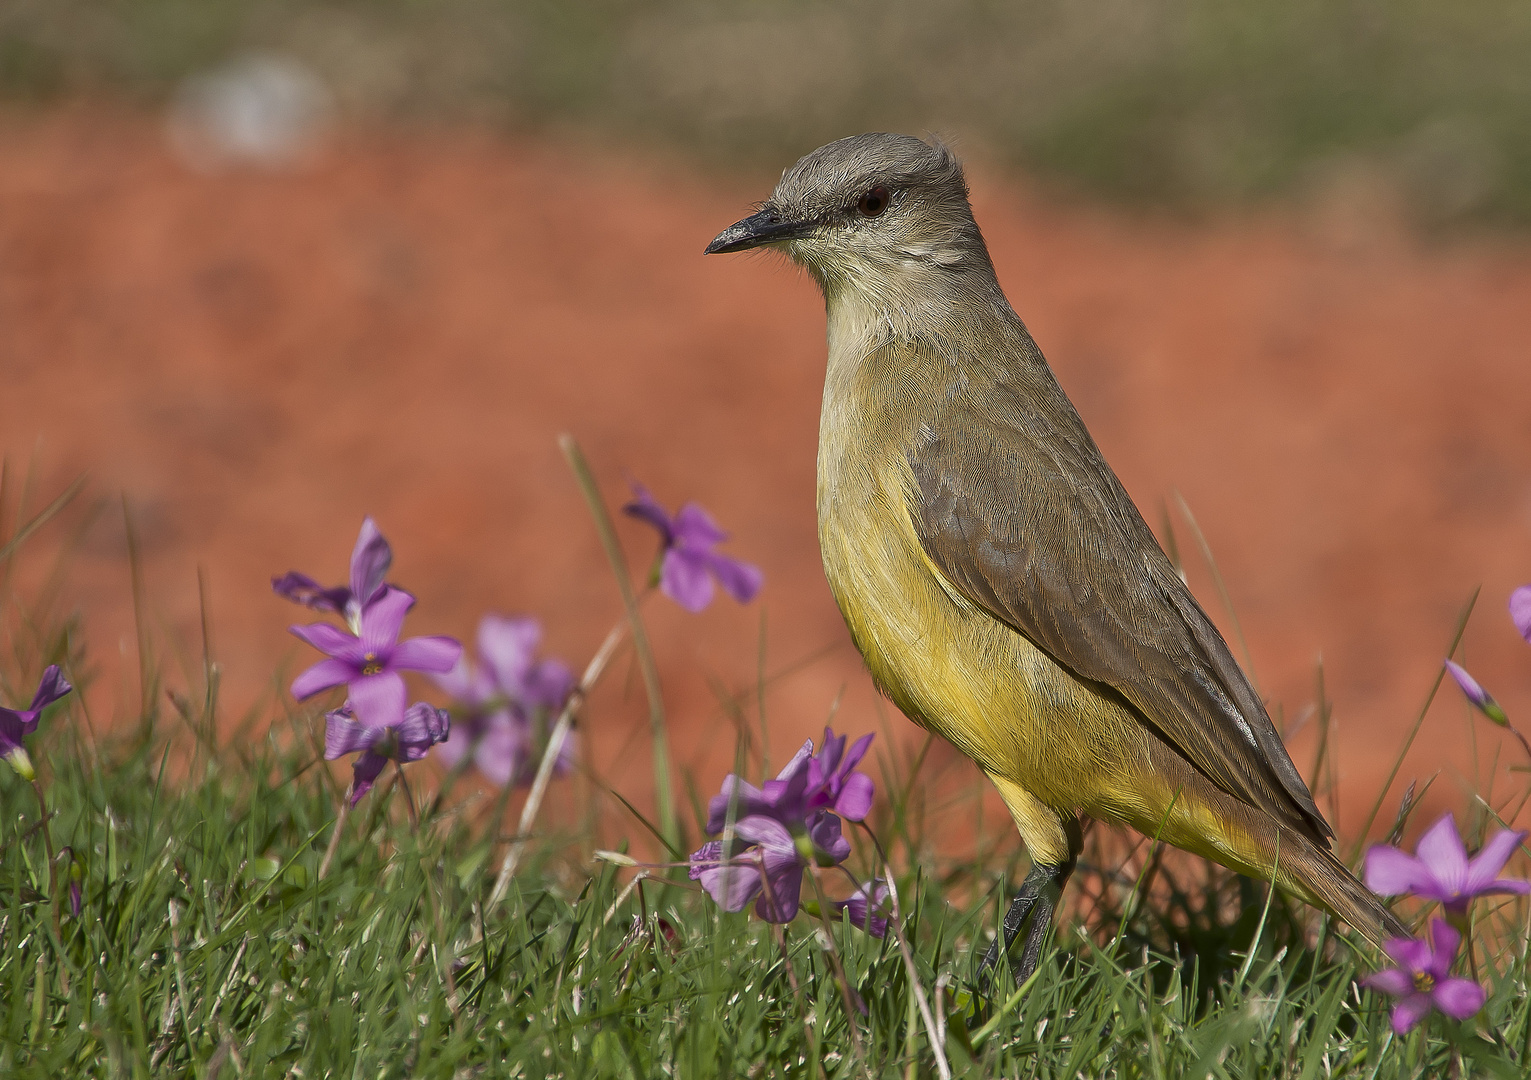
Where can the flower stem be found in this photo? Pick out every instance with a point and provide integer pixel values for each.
(593, 672)
(409, 798)
(53, 896)
(852, 1014)
(646, 665)
(340, 824)
(897, 926)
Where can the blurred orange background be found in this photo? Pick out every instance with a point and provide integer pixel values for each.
(255, 359)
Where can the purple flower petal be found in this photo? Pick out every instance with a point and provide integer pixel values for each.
(1458, 998)
(857, 752)
(732, 884)
(1441, 851)
(799, 761)
(1409, 1012)
(703, 857)
(461, 682)
(749, 800)
(370, 560)
(378, 700)
(1410, 953)
(739, 579)
(1481, 699)
(322, 676)
(434, 653)
(548, 684)
(827, 760)
(683, 577)
(344, 735)
(783, 891)
(504, 751)
(767, 832)
(1483, 868)
(12, 727)
(330, 640)
(824, 831)
(364, 772)
(645, 507)
(508, 646)
(1392, 981)
(382, 620)
(855, 800)
(302, 589)
(1390, 872)
(864, 908)
(50, 688)
(1520, 611)
(424, 726)
(1443, 949)
(693, 527)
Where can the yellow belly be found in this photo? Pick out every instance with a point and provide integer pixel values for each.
(957, 671)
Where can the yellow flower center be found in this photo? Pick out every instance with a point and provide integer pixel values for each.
(370, 665)
(1424, 982)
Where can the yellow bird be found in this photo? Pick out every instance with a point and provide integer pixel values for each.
(996, 576)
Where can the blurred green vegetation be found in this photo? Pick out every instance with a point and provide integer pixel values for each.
(1183, 103)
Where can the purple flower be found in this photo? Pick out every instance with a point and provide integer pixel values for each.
(422, 727)
(864, 905)
(1440, 869)
(831, 782)
(369, 663)
(16, 723)
(770, 864)
(502, 701)
(789, 823)
(1520, 611)
(689, 566)
(1477, 695)
(370, 561)
(1422, 980)
(809, 782)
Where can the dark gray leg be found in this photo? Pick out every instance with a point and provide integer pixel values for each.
(1038, 897)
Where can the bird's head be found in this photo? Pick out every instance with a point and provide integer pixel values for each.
(867, 215)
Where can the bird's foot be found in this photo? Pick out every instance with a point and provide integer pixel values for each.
(1034, 904)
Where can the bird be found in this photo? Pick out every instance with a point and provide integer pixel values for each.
(999, 582)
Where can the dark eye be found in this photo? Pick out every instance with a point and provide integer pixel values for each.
(873, 202)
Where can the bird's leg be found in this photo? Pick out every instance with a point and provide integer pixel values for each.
(1037, 899)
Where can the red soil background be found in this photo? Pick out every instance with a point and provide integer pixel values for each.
(259, 360)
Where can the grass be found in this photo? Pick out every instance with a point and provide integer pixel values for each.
(1188, 105)
(209, 945)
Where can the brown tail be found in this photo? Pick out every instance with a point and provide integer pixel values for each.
(1319, 877)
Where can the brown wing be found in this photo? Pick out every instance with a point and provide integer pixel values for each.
(1022, 514)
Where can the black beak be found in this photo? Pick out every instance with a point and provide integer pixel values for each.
(766, 227)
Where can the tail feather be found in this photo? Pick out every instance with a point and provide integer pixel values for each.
(1319, 876)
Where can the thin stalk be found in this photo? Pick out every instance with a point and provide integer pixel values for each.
(852, 1019)
(53, 897)
(340, 824)
(1419, 721)
(593, 672)
(409, 798)
(646, 665)
(943, 1069)
(41, 518)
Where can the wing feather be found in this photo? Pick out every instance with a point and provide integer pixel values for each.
(1018, 509)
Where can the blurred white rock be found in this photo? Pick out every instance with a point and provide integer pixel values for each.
(258, 110)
